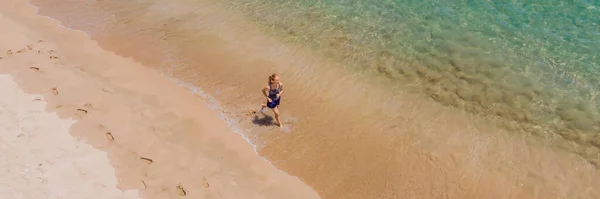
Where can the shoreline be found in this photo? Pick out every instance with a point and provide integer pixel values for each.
(214, 105)
(205, 100)
(206, 97)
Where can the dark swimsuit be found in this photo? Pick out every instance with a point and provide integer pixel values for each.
(273, 95)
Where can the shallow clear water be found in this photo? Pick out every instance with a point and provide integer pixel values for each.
(535, 64)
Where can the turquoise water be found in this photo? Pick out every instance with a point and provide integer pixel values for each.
(533, 63)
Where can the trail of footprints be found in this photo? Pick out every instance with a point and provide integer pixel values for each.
(83, 111)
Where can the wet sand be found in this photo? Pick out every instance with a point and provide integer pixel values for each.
(81, 122)
(350, 136)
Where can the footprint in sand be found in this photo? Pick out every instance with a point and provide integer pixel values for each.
(53, 57)
(36, 69)
(147, 160)
(250, 112)
(22, 50)
(54, 91)
(107, 90)
(205, 183)
(81, 112)
(109, 136)
(30, 46)
(9, 52)
(181, 191)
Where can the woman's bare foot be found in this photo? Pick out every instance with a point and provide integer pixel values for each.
(262, 106)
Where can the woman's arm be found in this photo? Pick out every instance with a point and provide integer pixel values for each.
(265, 91)
(280, 89)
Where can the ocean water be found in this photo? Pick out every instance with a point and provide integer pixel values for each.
(532, 62)
(532, 65)
(530, 68)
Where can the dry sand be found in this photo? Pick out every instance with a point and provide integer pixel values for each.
(101, 126)
(41, 159)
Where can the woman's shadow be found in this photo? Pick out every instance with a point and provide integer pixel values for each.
(265, 120)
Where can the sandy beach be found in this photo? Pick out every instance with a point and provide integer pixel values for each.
(42, 160)
(81, 122)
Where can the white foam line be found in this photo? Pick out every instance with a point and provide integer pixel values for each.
(59, 23)
(214, 105)
(209, 101)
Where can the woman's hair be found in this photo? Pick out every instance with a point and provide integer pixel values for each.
(271, 78)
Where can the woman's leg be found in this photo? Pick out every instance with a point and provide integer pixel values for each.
(262, 106)
(276, 111)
